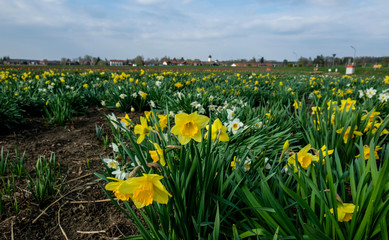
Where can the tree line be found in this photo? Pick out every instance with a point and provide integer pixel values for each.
(320, 60)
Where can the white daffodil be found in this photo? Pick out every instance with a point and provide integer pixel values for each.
(234, 125)
(361, 94)
(247, 165)
(370, 92)
(212, 107)
(268, 166)
(258, 125)
(112, 118)
(383, 97)
(111, 163)
(114, 147)
(120, 174)
(194, 104)
(230, 114)
(179, 95)
(152, 104)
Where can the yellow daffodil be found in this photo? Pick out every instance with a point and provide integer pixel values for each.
(114, 186)
(233, 163)
(315, 110)
(317, 124)
(296, 104)
(345, 211)
(143, 130)
(268, 115)
(127, 120)
(217, 126)
(366, 152)
(386, 79)
(162, 121)
(375, 128)
(333, 119)
(347, 133)
(332, 104)
(178, 85)
(148, 114)
(371, 117)
(157, 155)
(188, 126)
(348, 104)
(324, 151)
(146, 189)
(368, 127)
(303, 157)
(286, 146)
(143, 95)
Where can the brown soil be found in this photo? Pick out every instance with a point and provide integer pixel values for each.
(81, 210)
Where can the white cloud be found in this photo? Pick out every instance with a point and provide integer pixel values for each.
(148, 1)
(159, 27)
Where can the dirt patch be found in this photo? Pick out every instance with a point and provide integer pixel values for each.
(81, 210)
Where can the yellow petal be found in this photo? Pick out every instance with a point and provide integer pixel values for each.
(112, 185)
(286, 146)
(197, 137)
(140, 139)
(144, 193)
(183, 139)
(348, 207)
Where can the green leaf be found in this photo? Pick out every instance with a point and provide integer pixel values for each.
(216, 227)
(313, 233)
(253, 232)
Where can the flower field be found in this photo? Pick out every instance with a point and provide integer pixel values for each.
(217, 154)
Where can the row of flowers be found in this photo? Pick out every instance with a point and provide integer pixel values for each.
(247, 154)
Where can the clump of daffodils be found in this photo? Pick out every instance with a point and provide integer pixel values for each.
(354, 133)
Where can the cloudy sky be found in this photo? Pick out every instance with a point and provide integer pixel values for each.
(226, 29)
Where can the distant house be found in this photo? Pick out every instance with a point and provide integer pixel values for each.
(213, 63)
(49, 62)
(114, 62)
(239, 65)
(193, 63)
(254, 64)
(169, 62)
(21, 62)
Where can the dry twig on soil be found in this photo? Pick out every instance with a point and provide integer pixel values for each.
(59, 224)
